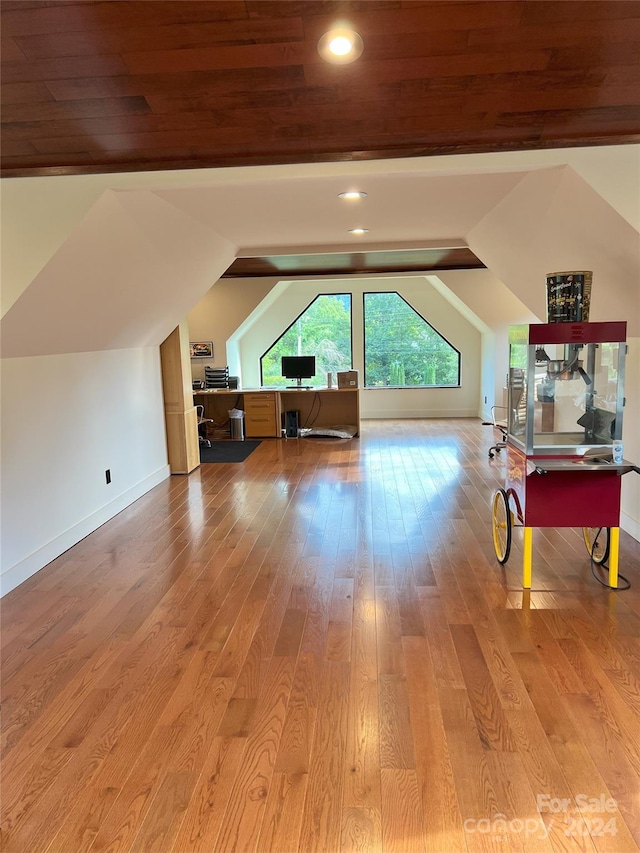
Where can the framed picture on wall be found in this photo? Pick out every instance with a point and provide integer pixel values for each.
(201, 349)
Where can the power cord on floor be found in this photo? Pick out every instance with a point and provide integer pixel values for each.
(606, 585)
(603, 565)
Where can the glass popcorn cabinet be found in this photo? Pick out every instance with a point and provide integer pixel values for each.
(566, 387)
(563, 445)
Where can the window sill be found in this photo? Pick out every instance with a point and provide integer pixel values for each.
(408, 387)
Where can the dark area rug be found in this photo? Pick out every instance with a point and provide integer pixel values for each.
(227, 451)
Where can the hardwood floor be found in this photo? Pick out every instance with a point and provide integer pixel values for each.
(316, 650)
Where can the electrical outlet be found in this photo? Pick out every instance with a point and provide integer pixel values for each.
(107, 475)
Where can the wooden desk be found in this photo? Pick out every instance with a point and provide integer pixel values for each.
(264, 407)
(323, 407)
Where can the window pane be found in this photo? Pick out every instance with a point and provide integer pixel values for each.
(401, 349)
(323, 330)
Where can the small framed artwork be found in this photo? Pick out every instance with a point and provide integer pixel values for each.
(201, 349)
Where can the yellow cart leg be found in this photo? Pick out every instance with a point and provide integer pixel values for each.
(614, 550)
(526, 563)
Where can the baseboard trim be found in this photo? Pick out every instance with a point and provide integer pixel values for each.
(20, 572)
(385, 415)
(630, 525)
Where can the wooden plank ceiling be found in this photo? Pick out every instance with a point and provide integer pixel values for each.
(117, 86)
(354, 263)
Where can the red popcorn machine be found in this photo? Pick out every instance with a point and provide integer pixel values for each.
(563, 438)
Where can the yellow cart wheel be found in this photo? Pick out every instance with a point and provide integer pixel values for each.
(501, 522)
(597, 541)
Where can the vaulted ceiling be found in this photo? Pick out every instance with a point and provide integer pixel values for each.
(122, 86)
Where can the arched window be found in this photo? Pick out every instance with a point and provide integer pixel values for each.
(401, 350)
(323, 330)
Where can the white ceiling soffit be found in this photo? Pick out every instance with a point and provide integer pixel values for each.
(402, 208)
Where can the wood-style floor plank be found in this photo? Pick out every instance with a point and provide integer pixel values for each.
(362, 759)
(322, 814)
(316, 650)
(443, 823)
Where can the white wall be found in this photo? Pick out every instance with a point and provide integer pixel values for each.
(65, 420)
(219, 313)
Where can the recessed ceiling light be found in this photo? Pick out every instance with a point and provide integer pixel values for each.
(358, 230)
(340, 46)
(352, 194)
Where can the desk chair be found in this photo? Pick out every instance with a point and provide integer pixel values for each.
(202, 426)
(499, 414)
(498, 422)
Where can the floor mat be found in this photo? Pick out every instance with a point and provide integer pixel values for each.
(227, 451)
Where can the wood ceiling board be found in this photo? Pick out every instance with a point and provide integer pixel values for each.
(351, 263)
(164, 37)
(121, 86)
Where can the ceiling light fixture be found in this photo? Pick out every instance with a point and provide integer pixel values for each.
(340, 46)
(352, 195)
(358, 231)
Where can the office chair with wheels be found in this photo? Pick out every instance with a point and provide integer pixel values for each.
(499, 423)
(500, 415)
(202, 426)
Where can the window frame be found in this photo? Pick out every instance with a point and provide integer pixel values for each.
(366, 293)
(298, 316)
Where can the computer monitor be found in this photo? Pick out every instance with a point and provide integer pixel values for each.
(298, 367)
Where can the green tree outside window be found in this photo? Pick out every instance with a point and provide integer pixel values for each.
(401, 349)
(324, 330)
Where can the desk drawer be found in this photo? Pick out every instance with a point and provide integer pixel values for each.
(260, 404)
(260, 425)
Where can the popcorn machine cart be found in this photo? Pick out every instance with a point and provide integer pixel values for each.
(563, 445)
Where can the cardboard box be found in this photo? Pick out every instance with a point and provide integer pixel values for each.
(347, 379)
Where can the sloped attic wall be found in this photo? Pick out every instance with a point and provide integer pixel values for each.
(125, 278)
(553, 220)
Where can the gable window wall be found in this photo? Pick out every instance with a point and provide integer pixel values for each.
(279, 304)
